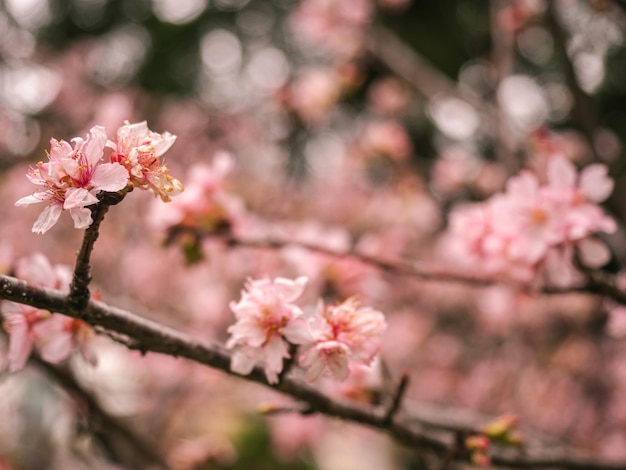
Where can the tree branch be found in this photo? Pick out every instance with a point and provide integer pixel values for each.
(151, 336)
(79, 288)
(596, 285)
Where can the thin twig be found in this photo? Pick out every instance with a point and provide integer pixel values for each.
(596, 285)
(396, 401)
(79, 288)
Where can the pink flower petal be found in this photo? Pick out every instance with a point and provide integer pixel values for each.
(94, 146)
(47, 218)
(20, 344)
(595, 182)
(78, 197)
(82, 217)
(593, 252)
(32, 199)
(110, 177)
(242, 363)
(561, 172)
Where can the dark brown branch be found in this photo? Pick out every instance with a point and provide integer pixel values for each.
(151, 336)
(79, 288)
(396, 401)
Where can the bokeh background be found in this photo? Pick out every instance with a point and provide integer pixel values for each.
(351, 125)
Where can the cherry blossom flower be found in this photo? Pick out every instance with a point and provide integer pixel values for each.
(342, 333)
(266, 320)
(139, 150)
(55, 335)
(71, 180)
(535, 229)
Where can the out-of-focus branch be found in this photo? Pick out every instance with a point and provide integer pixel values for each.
(583, 108)
(151, 336)
(409, 65)
(502, 50)
(597, 285)
(99, 418)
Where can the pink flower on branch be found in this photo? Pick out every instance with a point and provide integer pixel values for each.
(55, 335)
(342, 334)
(267, 320)
(71, 180)
(139, 150)
(533, 228)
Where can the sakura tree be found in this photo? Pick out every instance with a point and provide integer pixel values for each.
(314, 234)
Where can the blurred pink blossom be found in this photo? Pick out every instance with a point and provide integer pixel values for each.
(55, 335)
(313, 94)
(532, 227)
(334, 25)
(342, 333)
(388, 138)
(206, 202)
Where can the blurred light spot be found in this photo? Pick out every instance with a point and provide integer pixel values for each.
(535, 44)
(221, 52)
(137, 10)
(226, 91)
(28, 89)
(522, 99)
(608, 145)
(30, 14)
(255, 22)
(230, 4)
(325, 155)
(15, 42)
(454, 117)
(88, 13)
(268, 69)
(477, 77)
(559, 99)
(21, 136)
(589, 70)
(178, 11)
(118, 55)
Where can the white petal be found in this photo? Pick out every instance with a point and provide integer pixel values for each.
(110, 177)
(593, 252)
(242, 363)
(595, 182)
(82, 217)
(32, 199)
(78, 197)
(94, 146)
(162, 145)
(297, 332)
(290, 289)
(561, 172)
(47, 218)
(56, 348)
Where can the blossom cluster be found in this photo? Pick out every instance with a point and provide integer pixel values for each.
(269, 326)
(55, 335)
(536, 228)
(206, 203)
(76, 173)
